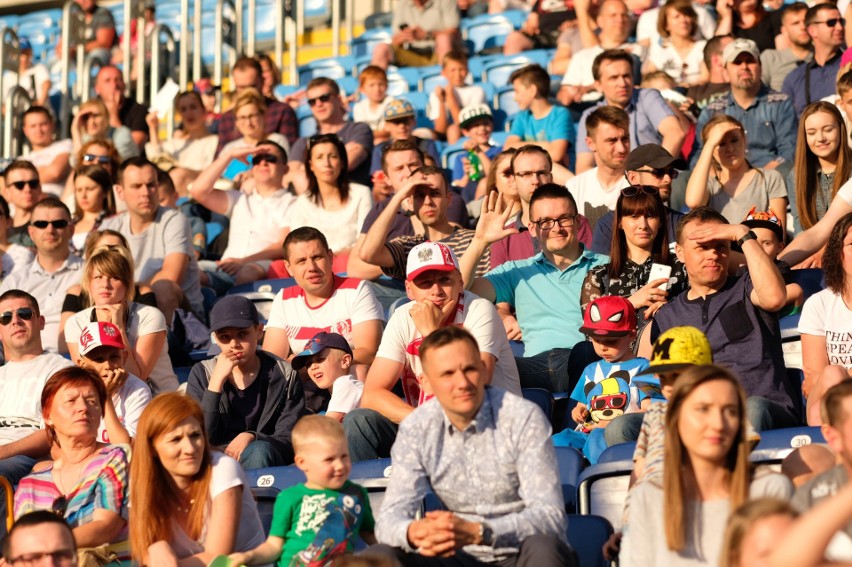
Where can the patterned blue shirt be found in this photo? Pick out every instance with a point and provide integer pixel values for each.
(502, 470)
(647, 108)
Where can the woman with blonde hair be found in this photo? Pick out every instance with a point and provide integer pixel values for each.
(109, 292)
(250, 120)
(678, 520)
(92, 121)
(724, 180)
(753, 531)
(190, 503)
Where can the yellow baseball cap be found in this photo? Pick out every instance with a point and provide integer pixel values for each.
(678, 348)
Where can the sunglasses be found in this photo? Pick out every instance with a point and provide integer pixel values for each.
(99, 159)
(20, 185)
(615, 401)
(43, 224)
(634, 190)
(321, 98)
(25, 313)
(832, 22)
(59, 505)
(659, 173)
(260, 158)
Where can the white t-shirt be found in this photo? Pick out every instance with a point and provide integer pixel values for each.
(227, 473)
(646, 27)
(401, 343)
(129, 402)
(345, 394)
(15, 255)
(256, 221)
(340, 227)
(593, 199)
(845, 192)
(190, 154)
(352, 302)
(361, 112)
(666, 58)
(21, 384)
(473, 94)
(45, 157)
(142, 320)
(31, 81)
(579, 72)
(826, 315)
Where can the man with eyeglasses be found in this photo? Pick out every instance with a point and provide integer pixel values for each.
(543, 290)
(279, 117)
(22, 190)
(649, 165)
(259, 221)
(23, 441)
(330, 114)
(40, 538)
(53, 270)
(815, 79)
(768, 116)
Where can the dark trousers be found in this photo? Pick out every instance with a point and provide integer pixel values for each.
(556, 370)
(370, 435)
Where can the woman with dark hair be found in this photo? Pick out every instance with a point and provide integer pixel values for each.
(748, 19)
(93, 202)
(271, 76)
(823, 164)
(826, 322)
(330, 203)
(677, 518)
(191, 503)
(679, 54)
(639, 241)
(87, 481)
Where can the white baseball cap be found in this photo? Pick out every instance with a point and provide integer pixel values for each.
(430, 256)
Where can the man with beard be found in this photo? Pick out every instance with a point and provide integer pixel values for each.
(768, 117)
(777, 64)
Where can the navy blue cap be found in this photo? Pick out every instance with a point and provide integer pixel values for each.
(318, 342)
(233, 311)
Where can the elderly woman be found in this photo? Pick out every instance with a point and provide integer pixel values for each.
(108, 288)
(190, 502)
(87, 481)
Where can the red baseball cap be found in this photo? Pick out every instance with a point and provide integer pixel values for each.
(609, 316)
(98, 334)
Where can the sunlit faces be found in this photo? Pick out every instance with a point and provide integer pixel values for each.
(240, 342)
(455, 72)
(615, 20)
(109, 81)
(401, 128)
(327, 366)
(828, 28)
(20, 332)
(325, 162)
(326, 465)
(524, 94)
(531, 170)
(612, 349)
(106, 290)
(75, 411)
(610, 144)
(266, 173)
(310, 265)
(93, 119)
(793, 26)
(706, 263)
(400, 166)
(480, 130)
(181, 450)
(744, 71)
(139, 190)
(51, 238)
(731, 151)
(47, 543)
(436, 286)
(250, 121)
(709, 421)
(324, 102)
(678, 24)
(661, 179)
(245, 79)
(615, 82)
(38, 128)
(559, 238)
(375, 89)
(761, 539)
(103, 359)
(504, 179)
(27, 197)
(191, 111)
(640, 228)
(89, 195)
(430, 200)
(454, 373)
(822, 134)
(769, 241)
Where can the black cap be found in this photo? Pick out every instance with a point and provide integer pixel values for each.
(652, 155)
(233, 311)
(317, 344)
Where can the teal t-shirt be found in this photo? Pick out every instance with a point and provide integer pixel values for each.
(319, 524)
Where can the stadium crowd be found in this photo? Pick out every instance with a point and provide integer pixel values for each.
(632, 244)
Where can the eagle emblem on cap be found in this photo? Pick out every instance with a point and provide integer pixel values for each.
(424, 255)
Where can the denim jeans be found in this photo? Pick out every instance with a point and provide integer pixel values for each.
(623, 429)
(370, 434)
(765, 414)
(14, 469)
(556, 370)
(261, 454)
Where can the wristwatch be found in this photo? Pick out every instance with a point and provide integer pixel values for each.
(486, 536)
(750, 235)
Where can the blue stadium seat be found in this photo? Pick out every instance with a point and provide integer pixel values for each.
(504, 100)
(367, 41)
(398, 85)
(348, 85)
(372, 475)
(587, 535)
(330, 68)
(517, 17)
(265, 500)
(776, 444)
(448, 155)
(541, 398)
(318, 9)
(263, 286)
(571, 464)
(282, 91)
(602, 489)
(378, 20)
(278, 478)
(307, 122)
(419, 101)
(497, 72)
(488, 33)
(428, 82)
(620, 452)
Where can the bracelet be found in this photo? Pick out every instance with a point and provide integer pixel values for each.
(750, 235)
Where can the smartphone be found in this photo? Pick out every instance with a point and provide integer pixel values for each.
(660, 271)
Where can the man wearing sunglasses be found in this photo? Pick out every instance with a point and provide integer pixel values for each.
(27, 367)
(649, 165)
(330, 114)
(814, 80)
(53, 270)
(259, 221)
(769, 119)
(22, 190)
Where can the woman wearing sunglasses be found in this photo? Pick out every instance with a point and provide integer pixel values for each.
(92, 121)
(86, 483)
(250, 120)
(98, 151)
(724, 179)
(93, 202)
(639, 241)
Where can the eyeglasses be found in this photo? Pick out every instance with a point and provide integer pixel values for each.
(260, 158)
(57, 224)
(832, 22)
(61, 557)
(563, 222)
(659, 173)
(92, 158)
(312, 102)
(31, 183)
(634, 190)
(531, 174)
(249, 117)
(24, 313)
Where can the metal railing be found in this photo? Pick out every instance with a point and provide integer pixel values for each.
(219, 40)
(13, 124)
(9, 53)
(73, 30)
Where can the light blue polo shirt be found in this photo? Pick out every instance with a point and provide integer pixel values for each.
(546, 299)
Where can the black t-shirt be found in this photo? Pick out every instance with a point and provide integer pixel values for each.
(247, 405)
(763, 34)
(132, 114)
(551, 14)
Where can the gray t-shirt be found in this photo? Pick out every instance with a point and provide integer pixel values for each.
(168, 234)
(819, 488)
(357, 132)
(765, 184)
